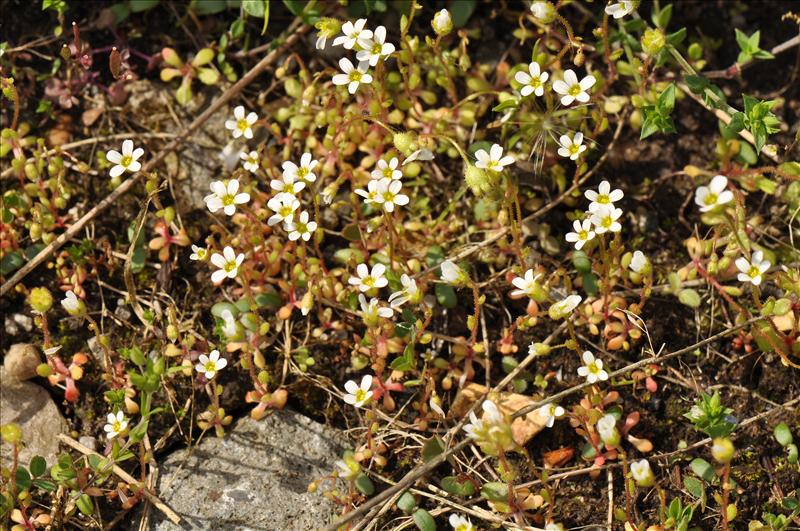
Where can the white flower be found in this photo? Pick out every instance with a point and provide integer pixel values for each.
(479, 428)
(620, 9)
(358, 395)
(642, 474)
(461, 523)
(284, 206)
(638, 262)
(753, 270)
(553, 526)
(352, 33)
(302, 228)
(603, 196)
(241, 124)
(251, 162)
(352, 76)
(389, 194)
(210, 365)
(72, 304)
(367, 280)
(526, 285)
(349, 469)
(452, 274)
(442, 22)
(476, 428)
(229, 327)
(410, 291)
(551, 412)
(304, 172)
(287, 184)
(198, 253)
(228, 263)
(224, 196)
(370, 195)
(128, 160)
(592, 369)
(116, 424)
(564, 308)
(387, 170)
(607, 429)
(435, 403)
(571, 147)
(583, 233)
(533, 80)
(420, 154)
(494, 160)
(491, 412)
(374, 48)
(571, 89)
(543, 11)
(713, 195)
(605, 219)
(370, 311)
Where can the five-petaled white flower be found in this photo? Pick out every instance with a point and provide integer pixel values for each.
(224, 196)
(303, 172)
(642, 473)
(366, 279)
(229, 327)
(72, 304)
(592, 369)
(620, 9)
(550, 412)
(358, 395)
(287, 184)
(526, 285)
(478, 428)
(603, 196)
(461, 523)
(241, 125)
(452, 274)
(370, 311)
(228, 263)
(638, 262)
(116, 423)
(571, 89)
(389, 194)
(605, 219)
(533, 80)
(713, 195)
(349, 469)
(410, 291)
(571, 147)
(352, 33)
(387, 170)
(564, 308)
(301, 227)
(582, 233)
(752, 270)
(250, 161)
(128, 160)
(375, 48)
(370, 195)
(198, 253)
(210, 365)
(352, 76)
(284, 206)
(543, 11)
(494, 160)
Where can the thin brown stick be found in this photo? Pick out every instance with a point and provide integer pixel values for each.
(296, 30)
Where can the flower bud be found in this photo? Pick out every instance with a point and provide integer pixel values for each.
(642, 474)
(540, 349)
(480, 181)
(40, 299)
(722, 450)
(442, 23)
(406, 143)
(73, 305)
(607, 429)
(653, 41)
(544, 12)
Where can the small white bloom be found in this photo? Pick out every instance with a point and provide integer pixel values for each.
(564, 308)
(494, 160)
(352, 76)
(352, 33)
(301, 228)
(603, 196)
(620, 9)
(571, 147)
(371, 194)
(638, 262)
(387, 170)
(284, 205)
(389, 194)
(375, 48)
(198, 253)
(571, 89)
(229, 327)
(116, 423)
(228, 263)
(410, 291)
(287, 184)
(442, 22)
(349, 469)
(370, 311)
(224, 196)
(713, 195)
(72, 304)
(607, 429)
(543, 11)
(533, 80)
(366, 279)
(241, 125)
(304, 172)
(251, 162)
(592, 369)
(605, 219)
(421, 154)
(359, 395)
(582, 233)
(452, 274)
(526, 285)
(491, 413)
(128, 160)
(642, 473)
(210, 365)
(752, 270)
(475, 428)
(551, 412)
(461, 523)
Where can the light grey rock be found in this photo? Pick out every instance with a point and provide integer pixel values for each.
(88, 441)
(30, 406)
(21, 361)
(256, 478)
(17, 323)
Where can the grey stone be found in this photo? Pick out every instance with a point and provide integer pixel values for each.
(255, 478)
(18, 323)
(21, 361)
(88, 441)
(30, 406)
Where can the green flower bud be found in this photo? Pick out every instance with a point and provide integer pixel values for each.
(544, 12)
(328, 27)
(653, 41)
(442, 23)
(406, 143)
(40, 299)
(540, 349)
(480, 181)
(11, 433)
(722, 450)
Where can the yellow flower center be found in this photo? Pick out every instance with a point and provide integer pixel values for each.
(574, 148)
(368, 281)
(574, 90)
(210, 366)
(535, 82)
(201, 253)
(360, 395)
(230, 266)
(117, 426)
(285, 211)
(126, 161)
(355, 75)
(388, 196)
(376, 48)
(302, 172)
(582, 235)
(593, 368)
(242, 125)
(603, 199)
(754, 272)
(388, 172)
(227, 199)
(302, 228)
(607, 222)
(711, 199)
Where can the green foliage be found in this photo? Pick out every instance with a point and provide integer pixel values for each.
(749, 47)
(423, 520)
(756, 118)
(658, 117)
(711, 417)
(679, 516)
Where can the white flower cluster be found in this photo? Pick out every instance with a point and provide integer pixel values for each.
(385, 186)
(601, 217)
(370, 46)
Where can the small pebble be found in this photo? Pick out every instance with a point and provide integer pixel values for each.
(21, 361)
